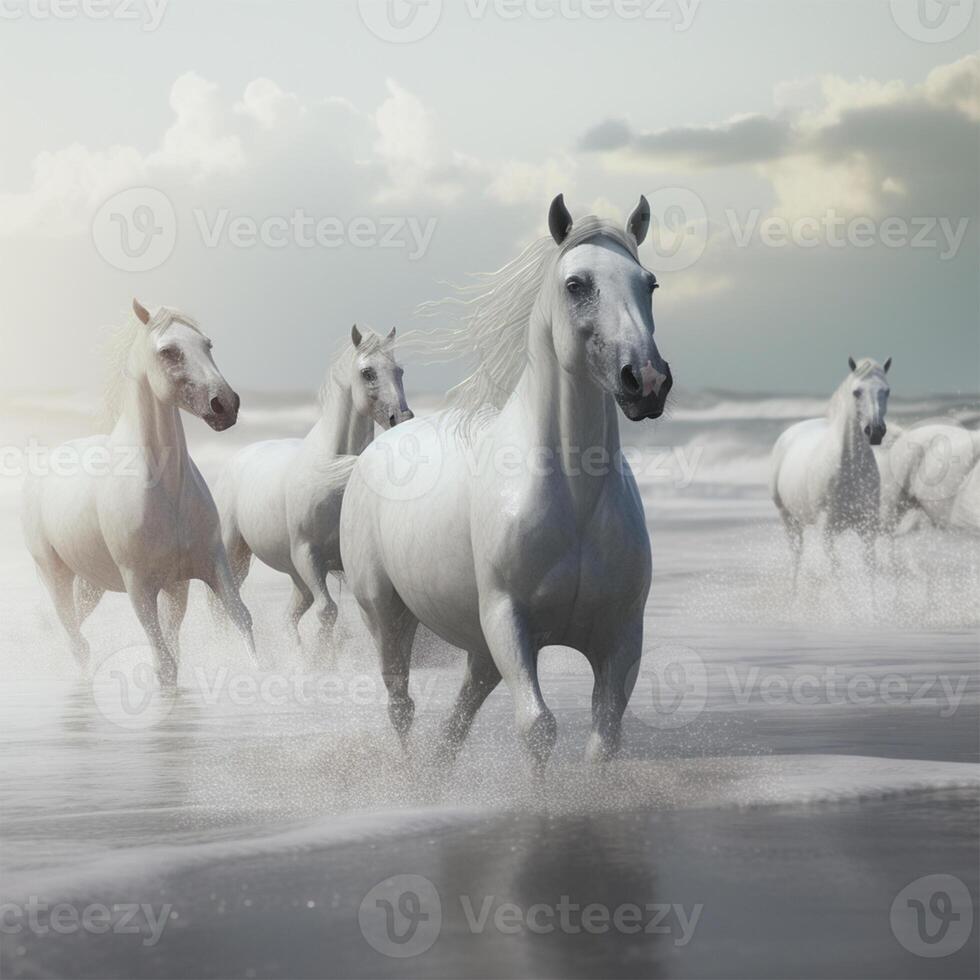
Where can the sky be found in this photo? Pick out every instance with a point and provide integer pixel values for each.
(280, 170)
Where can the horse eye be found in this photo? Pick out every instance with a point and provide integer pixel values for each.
(172, 354)
(857, 392)
(369, 375)
(574, 286)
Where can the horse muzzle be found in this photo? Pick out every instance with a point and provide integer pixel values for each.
(396, 418)
(875, 433)
(223, 412)
(637, 406)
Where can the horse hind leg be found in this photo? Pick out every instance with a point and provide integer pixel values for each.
(393, 626)
(60, 582)
(87, 597)
(299, 603)
(480, 680)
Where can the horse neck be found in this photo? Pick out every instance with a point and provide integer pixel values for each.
(341, 430)
(846, 427)
(568, 416)
(155, 428)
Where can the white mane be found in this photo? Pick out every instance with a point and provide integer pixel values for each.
(492, 314)
(119, 345)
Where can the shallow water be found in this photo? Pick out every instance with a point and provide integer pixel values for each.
(790, 762)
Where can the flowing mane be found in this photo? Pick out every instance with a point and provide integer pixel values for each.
(119, 345)
(492, 314)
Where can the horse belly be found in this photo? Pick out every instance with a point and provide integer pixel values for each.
(429, 557)
(411, 530)
(260, 503)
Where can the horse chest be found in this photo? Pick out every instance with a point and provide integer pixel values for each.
(570, 566)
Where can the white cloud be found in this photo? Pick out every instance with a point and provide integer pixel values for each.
(196, 141)
(267, 104)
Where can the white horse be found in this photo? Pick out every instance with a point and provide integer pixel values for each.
(518, 524)
(825, 469)
(134, 513)
(280, 500)
(926, 470)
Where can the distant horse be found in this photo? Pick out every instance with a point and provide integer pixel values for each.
(134, 514)
(518, 523)
(927, 471)
(280, 500)
(825, 469)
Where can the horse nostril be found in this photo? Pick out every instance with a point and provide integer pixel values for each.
(217, 407)
(867, 430)
(237, 402)
(630, 384)
(392, 421)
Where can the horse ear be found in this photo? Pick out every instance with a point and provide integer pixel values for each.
(639, 222)
(559, 220)
(851, 364)
(390, 339)
(142, 313)
(888, 364)
(355, 335)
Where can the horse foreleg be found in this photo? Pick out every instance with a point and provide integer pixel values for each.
(143, 597)
(516, 655)
(615, 661)
(312, 571)
(174, 607)
(222, 583)
(479, 682)
(239, 557)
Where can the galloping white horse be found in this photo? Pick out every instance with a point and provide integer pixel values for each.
(927, 470)
(280, 500)
(519, 524)
(825, 468)
(135, 515)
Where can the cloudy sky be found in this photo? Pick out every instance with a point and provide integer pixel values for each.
(282, 169)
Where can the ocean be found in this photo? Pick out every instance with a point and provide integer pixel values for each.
(797, 794)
